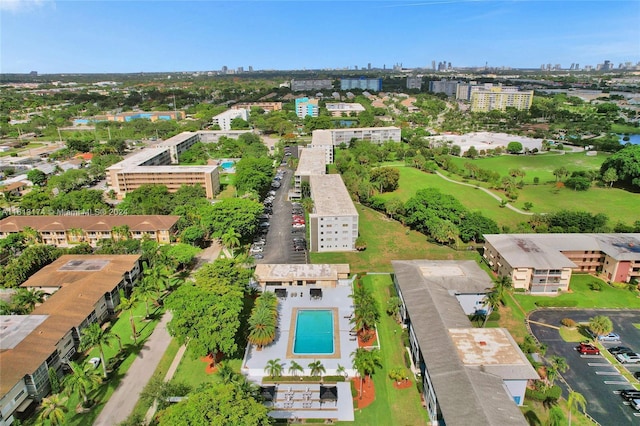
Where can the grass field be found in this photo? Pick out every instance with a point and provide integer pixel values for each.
(541, 165)
(388, 240)
(391, 406)
(620, 205)
(624, 128)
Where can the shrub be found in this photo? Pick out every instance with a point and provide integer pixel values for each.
(557, 303)
(568, 322)
(407, 359)
(405, 337)
(553, 393)
(595, 285)
(494, 316)
(420, 385)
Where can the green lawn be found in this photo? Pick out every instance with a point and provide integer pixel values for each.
(388, 240)
(391, 406)
(192, 370)
(580, 293)
(541, 165)
(625, 128)
(122, 328)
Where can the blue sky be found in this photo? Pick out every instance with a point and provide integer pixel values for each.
(91, 36)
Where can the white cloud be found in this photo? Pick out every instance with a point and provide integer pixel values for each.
(22, 5)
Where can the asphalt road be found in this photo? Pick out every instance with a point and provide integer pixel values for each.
(279, 245)
(592, 375)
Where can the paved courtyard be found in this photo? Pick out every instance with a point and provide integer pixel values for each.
(293, 400)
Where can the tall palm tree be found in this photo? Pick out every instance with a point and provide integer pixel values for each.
(159, 275)
(365, 362)
(25, 300)
(31, 235)
(53, 410)
(273, 368)
(317, 369)
(575, 400)
(231, 239)
(93, 336)
(127, 304)
(492, 302)
(78, 233)
(295, 368)
(83, 380)
(262, 327)
(147, 289)
(120, 232)
(556, 417)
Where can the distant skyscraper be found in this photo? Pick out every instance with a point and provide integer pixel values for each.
(240, 70)
(433, 65)
(369, 66)
(224, 69)
(607, 66)
(250, 68)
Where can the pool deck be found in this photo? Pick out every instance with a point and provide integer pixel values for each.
(256, 360)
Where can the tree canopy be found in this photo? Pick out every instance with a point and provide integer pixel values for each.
(626, 164)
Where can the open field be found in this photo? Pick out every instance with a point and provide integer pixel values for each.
(540, 165)
(625, 128)
(388, 240)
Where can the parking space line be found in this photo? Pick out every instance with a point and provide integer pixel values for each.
(599, 364)
(608, 373)
(615, 382)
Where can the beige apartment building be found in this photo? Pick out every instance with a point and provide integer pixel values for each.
(65, 231)
(267, 106)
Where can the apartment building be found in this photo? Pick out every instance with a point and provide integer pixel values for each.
(224, 119)
(414, 83)
(322, 139)
(483, 375)
(377, 135)
(448, 87)
(343, 109)
(307, 107)
(156, 166)
(543, 263)
(483, 100)
(84, 289)
(373, 84)
(333, 224)
(65, 231)
(312, 161)
(267, 106)
(313, 84)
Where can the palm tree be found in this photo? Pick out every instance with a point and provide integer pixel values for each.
(82, 380)
(93, 336)
(365, 362)
(31, 235)
(25, 300)
(226, 373)
(273, 368)
(600, 324)
(76, 232)
(492, 302)
(147, 289)
(575, 400)
(307, 204)
(127, 304)
(262, 327)
(120, 232)
(159, 275)
(295, 368)
(317, 369)
(231, 239)
(342, 371)
(53, 410)
(556, 417)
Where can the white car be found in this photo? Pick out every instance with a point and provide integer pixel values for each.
(95, 361)
(256, 249)
(628, 358)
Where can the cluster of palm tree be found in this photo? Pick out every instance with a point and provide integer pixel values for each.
(496, 297)
(366, 312)
(263, 320)
(22, 302)
(231, 239)
(275, 367)
(557, 365)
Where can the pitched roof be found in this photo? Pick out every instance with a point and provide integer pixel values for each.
(67, 308)
(88, 223)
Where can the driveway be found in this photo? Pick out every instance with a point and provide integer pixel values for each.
(592, 375)
(279, 245)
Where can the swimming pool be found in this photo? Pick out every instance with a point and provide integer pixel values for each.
(314, 332)
(226, 165)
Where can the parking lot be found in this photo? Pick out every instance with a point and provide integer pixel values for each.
(592, 375)
(279, 244)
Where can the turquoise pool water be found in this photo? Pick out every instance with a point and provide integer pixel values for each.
(227, 165)
(314, 332)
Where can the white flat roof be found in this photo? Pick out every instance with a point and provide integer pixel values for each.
(312, 162)
(330, 196)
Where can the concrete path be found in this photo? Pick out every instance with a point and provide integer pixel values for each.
(126, 395)
(509, 206)
(170, 372)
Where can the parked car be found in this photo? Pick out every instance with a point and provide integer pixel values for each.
(630, 394)
(586, 349)
(256, 249)
(257, 256)
(620, 350)
(264, 225)
(635, 403)
(299, 240)
(637, 375)
(611, 337)
(298, 225)
(95, 362)
(628, 358)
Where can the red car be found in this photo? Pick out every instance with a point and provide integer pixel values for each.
(587, 349)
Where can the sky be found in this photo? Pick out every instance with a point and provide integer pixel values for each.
(113, 36)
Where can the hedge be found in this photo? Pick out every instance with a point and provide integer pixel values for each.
(554, 392)
(555, 303)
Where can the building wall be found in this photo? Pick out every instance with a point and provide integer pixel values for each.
(224, 119)
(11, 401)
(334, 233)
(517, 390)
(376, 135)
(374, 84)
(589, 261)
(497, 98)
(128, 181)
(307, 107)
(472, 302)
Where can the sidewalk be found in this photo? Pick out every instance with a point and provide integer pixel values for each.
(170, 372)
(126, 395)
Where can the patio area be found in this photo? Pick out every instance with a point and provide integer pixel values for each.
(302, 400)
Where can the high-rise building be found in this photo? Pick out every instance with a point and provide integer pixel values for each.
(307, 107)
(363, 83)
(316, 84)
(488, 98)
(224, 119)
(448, 87)
(414, 83)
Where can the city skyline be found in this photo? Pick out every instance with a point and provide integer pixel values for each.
(166, 36)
